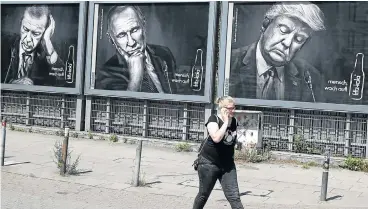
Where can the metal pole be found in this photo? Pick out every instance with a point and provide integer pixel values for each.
(326, 167)
(137, 164)
(3, 142)
(65, 152)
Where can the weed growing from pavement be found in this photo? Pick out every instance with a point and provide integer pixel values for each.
(355, 164)
(141, 181)
(252, 155)
(113, 138)
(71, 168)
(90, 135)
(183, 147)
(309, 165)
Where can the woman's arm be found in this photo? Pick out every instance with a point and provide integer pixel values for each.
(215, 132)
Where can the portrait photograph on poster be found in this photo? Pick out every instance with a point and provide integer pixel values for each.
(310, 53)
(41, 45)
(151, 48)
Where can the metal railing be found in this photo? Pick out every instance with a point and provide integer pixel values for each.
(151, 119)
(298, 131)
(39, 109)
(282, 129)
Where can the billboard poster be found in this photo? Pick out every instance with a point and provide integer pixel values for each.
(39, 44)
(151, 48)
(298, 51)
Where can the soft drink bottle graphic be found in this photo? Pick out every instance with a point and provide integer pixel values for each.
(70, 66)
(357, 78)
(197, 72)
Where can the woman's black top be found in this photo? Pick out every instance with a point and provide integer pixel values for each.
(222, 153)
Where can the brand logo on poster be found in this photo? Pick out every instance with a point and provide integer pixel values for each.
(69, 66)
(357, 78)
(197, 72)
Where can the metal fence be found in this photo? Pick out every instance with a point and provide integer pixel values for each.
(311, 132)
(143, 118)
(283, 129)
(39, 109)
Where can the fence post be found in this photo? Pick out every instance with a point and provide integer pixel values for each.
(28, 109)
(65, 152)
(79, 113)
(62, 112)
(3, 142)
(347, 147)
(108, 115)
(326, 167)
(137, 169)
(145, 119)
(291, 130)
(88, 114)
(185, 123)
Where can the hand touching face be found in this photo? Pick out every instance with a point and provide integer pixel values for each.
(127, 33)
(230, 109)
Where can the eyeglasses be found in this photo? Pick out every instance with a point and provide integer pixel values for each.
(230, 108)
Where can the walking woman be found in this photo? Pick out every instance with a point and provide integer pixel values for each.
(216, 157)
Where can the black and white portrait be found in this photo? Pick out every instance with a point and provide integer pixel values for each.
(38, 44)
(154, 48)
(299, 51)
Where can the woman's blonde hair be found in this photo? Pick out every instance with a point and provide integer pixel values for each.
(224, 101)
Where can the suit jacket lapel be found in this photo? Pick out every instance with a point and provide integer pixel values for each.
(160, 68)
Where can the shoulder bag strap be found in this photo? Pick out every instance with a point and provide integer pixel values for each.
(204, 141)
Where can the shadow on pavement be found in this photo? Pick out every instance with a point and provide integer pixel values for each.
(180, 174)
(151, 183)
(15, 163)
(334, 197)
(82, 172)
(259, 195)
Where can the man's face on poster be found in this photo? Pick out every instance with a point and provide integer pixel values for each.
(282, 39)
(31, 31)
(127, 31)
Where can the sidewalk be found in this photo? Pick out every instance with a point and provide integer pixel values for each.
(170, 177)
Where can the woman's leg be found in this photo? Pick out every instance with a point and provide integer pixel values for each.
(229, 183)
(208, 175)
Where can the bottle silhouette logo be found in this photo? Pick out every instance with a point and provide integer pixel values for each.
(70, 66)
(197, 72)
(357, 78)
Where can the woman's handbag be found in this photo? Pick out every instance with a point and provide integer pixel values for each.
(196, 162)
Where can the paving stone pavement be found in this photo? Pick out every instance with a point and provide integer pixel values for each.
(30, 179)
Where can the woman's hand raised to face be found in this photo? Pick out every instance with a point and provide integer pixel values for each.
(225, 115)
